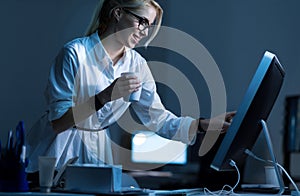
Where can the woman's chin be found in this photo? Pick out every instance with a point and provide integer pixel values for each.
(132, 44)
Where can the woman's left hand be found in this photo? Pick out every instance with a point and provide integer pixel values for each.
(220, 122)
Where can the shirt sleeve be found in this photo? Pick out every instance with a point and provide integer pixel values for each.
(60, 87)
(155, 117)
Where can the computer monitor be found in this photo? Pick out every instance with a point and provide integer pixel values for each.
(255, 106)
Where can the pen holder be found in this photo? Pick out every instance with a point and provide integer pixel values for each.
(13, 176)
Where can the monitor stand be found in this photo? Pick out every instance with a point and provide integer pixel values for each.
(258, 187)
(273, 159)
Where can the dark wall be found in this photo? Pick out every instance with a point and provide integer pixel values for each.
(32, 32)
(236, 33)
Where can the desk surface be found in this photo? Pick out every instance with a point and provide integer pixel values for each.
(43, 194)
(194, 192)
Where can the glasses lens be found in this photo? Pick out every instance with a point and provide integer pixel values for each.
(143, 22)
(142, 27)
(145, 25)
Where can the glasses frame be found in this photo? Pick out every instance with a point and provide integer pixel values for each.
(143, 22)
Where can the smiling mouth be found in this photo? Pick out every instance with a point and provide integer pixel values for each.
(136, 39)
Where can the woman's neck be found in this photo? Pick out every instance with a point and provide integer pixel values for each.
(114, 49)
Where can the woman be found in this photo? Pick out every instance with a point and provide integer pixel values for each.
(85, 89)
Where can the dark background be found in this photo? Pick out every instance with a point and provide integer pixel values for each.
(235, 32)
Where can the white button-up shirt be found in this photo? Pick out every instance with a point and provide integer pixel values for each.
(80, 71)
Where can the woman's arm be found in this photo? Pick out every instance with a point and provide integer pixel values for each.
(121, 87)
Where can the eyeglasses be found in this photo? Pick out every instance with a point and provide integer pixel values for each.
(143, 22)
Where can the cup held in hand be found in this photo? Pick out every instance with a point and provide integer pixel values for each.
(134, 96)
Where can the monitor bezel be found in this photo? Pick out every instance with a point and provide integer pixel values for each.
(221, 161)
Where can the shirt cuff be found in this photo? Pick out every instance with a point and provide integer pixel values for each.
(58, 109)
(183, 131)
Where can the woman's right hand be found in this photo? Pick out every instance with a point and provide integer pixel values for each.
(123, 86)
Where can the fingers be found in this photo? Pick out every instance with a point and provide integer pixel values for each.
(229, 116)
(228, 120)
(232, 113)
(129, 84)
(225, 127)
(124, 85)
(222, 122)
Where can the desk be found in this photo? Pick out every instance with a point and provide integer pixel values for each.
(193, 192)
(43, 194)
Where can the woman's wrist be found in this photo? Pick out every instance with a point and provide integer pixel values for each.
(98, 103)
(200, 128)
(101, 99)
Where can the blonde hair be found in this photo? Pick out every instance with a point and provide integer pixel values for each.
(103, 15)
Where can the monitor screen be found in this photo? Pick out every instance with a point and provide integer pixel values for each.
(255, 106)
(148, 147)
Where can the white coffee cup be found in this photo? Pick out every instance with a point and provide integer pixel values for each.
(134, 96)
(271, 177)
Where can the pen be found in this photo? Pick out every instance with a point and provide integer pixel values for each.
(19, 139)
(23, 154)
(21, 132)
(9, 146)
(10, 141)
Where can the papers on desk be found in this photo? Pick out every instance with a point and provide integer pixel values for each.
(93, 178)
(187, 192)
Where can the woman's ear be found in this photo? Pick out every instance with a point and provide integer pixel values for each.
(117, 14)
